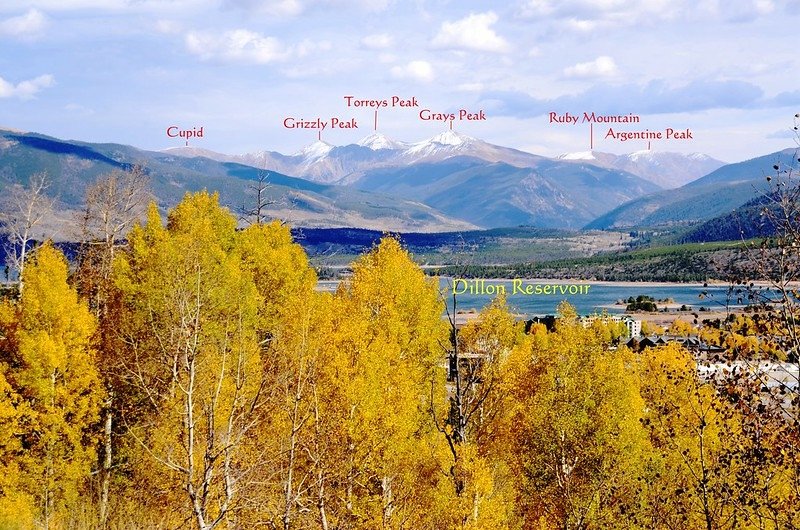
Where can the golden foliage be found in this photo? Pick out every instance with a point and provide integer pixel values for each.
(578, 446)
(243, 397)
(51, 391)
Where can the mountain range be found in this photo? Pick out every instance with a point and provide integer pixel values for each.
(448, 182)
(323, 162)
(713, 195)
(668, 170)
(72, 166)
(482, 183)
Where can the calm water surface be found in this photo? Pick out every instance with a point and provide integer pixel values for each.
(600, 295)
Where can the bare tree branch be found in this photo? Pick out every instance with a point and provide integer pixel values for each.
(21, 213)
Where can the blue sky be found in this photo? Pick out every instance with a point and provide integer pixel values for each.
(125, 70)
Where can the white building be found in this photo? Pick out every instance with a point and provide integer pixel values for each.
(634, 326)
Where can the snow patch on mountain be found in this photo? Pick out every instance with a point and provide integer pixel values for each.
(580, 155)
(377, 141)
(450, 138)
(318, 149)
(443, 142)
(642, 155)
(323, 162)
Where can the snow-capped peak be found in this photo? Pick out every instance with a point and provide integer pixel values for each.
(662, 154)
(636, 155)
(445, 142)
(316, 150)
(449, 138)
(580, 155)
(376, 141)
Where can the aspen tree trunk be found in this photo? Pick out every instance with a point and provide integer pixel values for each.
(48, 489)
(288, 488)
(475, 506)
(189, 425)
(106, 474)
(351, 452)
(388, 500)
(323, 517)
(704, 475)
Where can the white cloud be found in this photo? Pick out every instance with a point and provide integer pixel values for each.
(27, 26)
(743, 10)
(471, 33)
(368, 5)
(377, 41)
(78, 109)
(249, 47)
(169, 27)
(238, 45)
(416, 70)
(582, 25)
(309, 47)
(289, 8)
(154, 6)
(538, 8)
(332, 67)
(60, 5)
(606, 10)
(470, 87)
(765, 7)
(603, 66)
(25, 89)
(281, 8)
(588, 15)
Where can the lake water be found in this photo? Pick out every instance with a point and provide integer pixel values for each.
(598, 296)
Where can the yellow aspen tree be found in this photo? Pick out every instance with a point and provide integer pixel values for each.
(47, 347)
(649, 328)
(297, 356)
(578, 446)
(194, 358)
(482, 495)
(384, 353)
(280, 271)
(292, 332)
(692, 429)
(17, 507)
(681, 328)
(113, 204)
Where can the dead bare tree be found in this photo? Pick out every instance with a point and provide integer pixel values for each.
(765, 381)
(257, 212)
(21, 213)
(463, 395)
(775, 259)
(113, 204)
